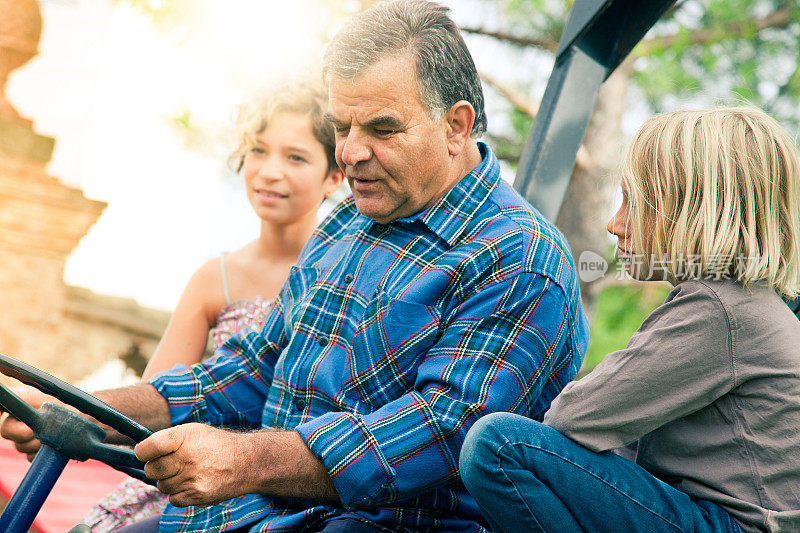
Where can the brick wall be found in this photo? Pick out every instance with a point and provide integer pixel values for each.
(68, 332)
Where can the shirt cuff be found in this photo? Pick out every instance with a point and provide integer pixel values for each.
(350, 452)
(172, 385)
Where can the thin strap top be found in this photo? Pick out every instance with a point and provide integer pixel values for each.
(237, 316)
(224, 274)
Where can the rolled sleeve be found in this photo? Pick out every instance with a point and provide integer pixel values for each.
(229, 388)
(504, 346)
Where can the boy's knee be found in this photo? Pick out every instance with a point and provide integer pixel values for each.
(482, 445)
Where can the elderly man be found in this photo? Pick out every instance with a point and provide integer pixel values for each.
(431, 297)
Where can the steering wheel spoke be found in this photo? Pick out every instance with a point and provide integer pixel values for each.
(65, 435)
(10, 402)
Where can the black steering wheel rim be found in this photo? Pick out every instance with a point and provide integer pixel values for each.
(71, 395)
(73, 436)
(64, 435)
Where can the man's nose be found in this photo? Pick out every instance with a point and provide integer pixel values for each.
(355, 149)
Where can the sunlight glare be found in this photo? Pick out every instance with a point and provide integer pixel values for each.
(204, 61)
(256, 38)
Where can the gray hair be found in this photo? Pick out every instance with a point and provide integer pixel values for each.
(445, 68)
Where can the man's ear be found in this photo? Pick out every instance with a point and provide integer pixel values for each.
(334, 178)
(459, 119)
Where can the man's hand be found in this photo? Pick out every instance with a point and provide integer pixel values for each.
(197, 464)
(17, 432)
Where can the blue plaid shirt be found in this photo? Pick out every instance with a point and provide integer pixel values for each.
(387, 343)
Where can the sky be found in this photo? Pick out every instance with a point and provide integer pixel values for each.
(107, 85)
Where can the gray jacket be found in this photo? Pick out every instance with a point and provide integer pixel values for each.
(710, 387)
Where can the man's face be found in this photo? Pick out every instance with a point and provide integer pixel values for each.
(393, 154)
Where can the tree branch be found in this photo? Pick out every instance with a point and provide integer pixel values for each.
(546, 44)
(515, 97)
(583, 159)
(780, 18)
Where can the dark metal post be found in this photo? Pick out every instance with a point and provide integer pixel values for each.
(598, 36)
(29, 497)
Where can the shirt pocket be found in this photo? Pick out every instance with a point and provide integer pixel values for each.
(393, 338)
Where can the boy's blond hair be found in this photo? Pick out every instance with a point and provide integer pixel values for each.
(303, 97)
(714, 193)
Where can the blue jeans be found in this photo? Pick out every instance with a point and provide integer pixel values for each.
(527, 476)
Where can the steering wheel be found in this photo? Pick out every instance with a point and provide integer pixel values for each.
(64, 435)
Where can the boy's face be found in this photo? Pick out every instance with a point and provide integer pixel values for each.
(620, 226)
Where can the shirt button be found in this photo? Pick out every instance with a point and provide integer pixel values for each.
(348, 279)
(380, 229)
(323, 341)
(300, 405)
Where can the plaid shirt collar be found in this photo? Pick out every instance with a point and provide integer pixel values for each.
(448, 217)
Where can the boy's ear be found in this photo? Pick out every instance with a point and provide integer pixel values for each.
(460, 118)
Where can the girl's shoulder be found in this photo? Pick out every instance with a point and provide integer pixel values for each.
(208, 278)
(693, 296)
(726, 296)
(203, 292)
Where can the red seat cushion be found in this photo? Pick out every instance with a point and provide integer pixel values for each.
(79, 488)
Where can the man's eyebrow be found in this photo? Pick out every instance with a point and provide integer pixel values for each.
(377, 122)
(384, 122)
(333, 120)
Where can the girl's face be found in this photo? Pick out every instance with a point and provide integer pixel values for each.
(286, 171)
(620, 226)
